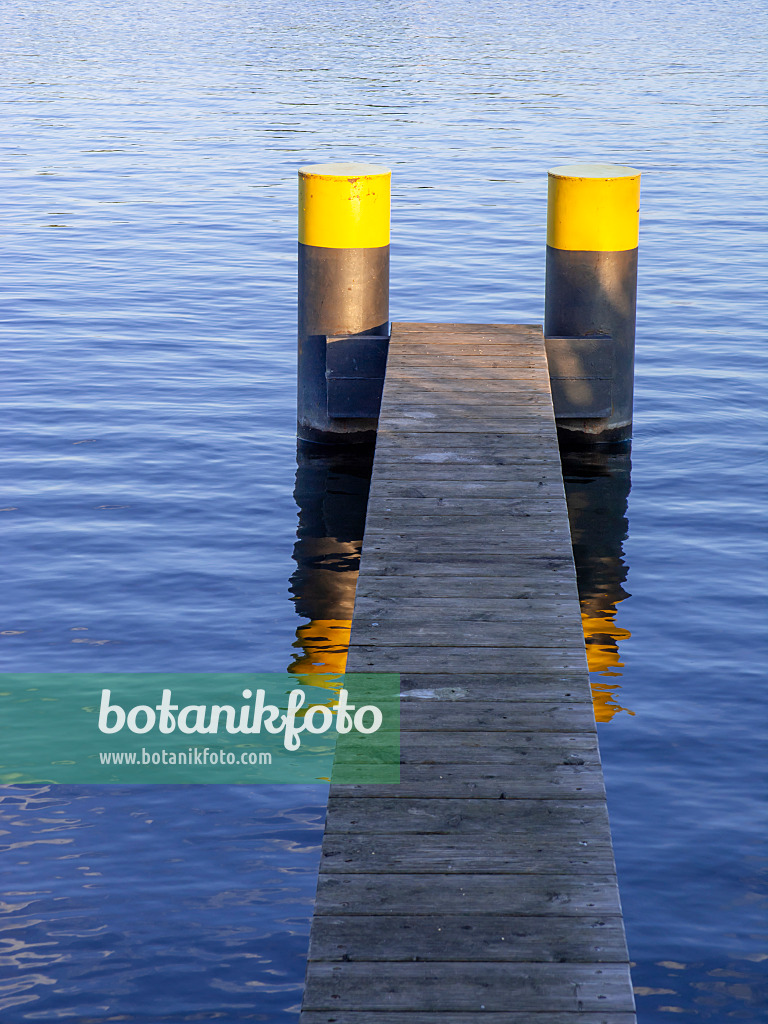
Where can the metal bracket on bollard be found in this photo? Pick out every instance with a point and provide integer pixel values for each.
(354, 373)
(581, 374)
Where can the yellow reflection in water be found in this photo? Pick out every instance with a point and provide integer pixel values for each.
(323, 646)
(597, 486)
(331, 494)
(602, 636)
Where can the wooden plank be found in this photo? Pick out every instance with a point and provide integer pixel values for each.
(462, 420)
(440, 489)
(531, 895)
(485, 938)
(492, 782)
(453, 329)
(481, 748)
(489, 630)
(457, 987)
(532, 530)
(422, 747)
(471, 449)
(428, 657)
(449, 363)
(466, 1017)
(561, 853)
(476, 587)
(483, 609)
(469, 348)
(498, 390)
(491, 478)
(537, 380)
(531, 503)
(533, 566)
(474, 686)
(495, 716)
(455, 538)
(460, 817)
(491, 442)
(505, 516)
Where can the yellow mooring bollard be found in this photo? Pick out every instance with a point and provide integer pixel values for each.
(591, 297)
(343, 299)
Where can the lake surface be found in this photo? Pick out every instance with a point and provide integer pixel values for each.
(148, 454)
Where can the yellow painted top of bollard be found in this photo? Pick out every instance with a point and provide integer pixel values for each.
(593, 207)
(344, 206)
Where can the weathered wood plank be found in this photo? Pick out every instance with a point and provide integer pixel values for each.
(469, 367)
(492, 782)
(536, 567)
(455, 817)
(428, 657)
(443, 489)
(491, 659)
(481, 687)
(481, 588)
(451, 329)
(460, 422)
(486, 938)
(454, 986)
(466, 1017)
(482, 748)
(482, 609)
(492, 442)
(472, 366)
(459, 548)
(474, 415)
(404, 600)
(447, 346)
(532, 503)
(395, 475)
(495, 521)
(473, 529)
(498, 391)
(522, 853)
(481, 355)
(495, 716)
(522, 451)
(530, 894)
(477, 629)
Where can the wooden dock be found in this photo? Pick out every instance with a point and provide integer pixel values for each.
(483, 887)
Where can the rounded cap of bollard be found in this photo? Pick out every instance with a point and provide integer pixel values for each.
(344, 205)
(593, 207)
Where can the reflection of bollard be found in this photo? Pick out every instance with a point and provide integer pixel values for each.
(597, 485)
(591, 291)
(332, 494)
(343, 291)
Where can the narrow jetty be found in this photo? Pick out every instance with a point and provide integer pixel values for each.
(483, 887)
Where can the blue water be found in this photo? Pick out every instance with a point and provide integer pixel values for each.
(148, 455)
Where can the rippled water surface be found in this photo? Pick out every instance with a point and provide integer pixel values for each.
(148, 454)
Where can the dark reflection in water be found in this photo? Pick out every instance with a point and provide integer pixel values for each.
(332, 494)
(597, 486)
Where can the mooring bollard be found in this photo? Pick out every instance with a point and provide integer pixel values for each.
(591, 296)
(344, 297)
